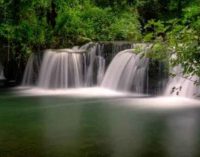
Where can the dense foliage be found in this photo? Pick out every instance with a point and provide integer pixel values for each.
(178, 38)
(172, 25)
(30, 24)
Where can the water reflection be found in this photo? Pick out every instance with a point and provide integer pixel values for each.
(62, 127)
(182, 135)
(94, 130)
(137, 134)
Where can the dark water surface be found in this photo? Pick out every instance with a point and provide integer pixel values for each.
(59, 126)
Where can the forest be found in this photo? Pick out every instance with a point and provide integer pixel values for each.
(172, 26)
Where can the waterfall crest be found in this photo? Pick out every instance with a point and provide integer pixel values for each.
(127, 71)
(61, 70)
(66, 68)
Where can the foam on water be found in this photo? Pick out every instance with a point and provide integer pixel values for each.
(163, 103)
(123, 99)
(73, 92)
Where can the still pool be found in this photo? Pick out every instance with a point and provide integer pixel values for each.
(66, 126)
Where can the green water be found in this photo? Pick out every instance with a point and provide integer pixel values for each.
(57, 126)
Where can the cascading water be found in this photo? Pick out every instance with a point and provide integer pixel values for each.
(180, 85)
(61, 69)
(101, 69)
(2, 77)
(90, 68)
(127, 71)
(31, 70)
(85, 67)
(95, 61)
(65, 68)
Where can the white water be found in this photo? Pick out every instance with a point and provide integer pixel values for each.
(85, 67)
(28, 73)
(61, 70)
(101, 69)
(95, 63)
(126, 72)
(31, 70)
(66, 68)
(71, 92)
(181, 85)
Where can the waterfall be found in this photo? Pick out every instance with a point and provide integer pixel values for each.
(85, 66)
(31, 70)
(28, 73)
(90, 69)
(181, 85)
(2, 77)
(66, 68)
(61, 69)
(95, 68)
(101, 69)
(127, 71)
